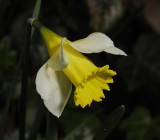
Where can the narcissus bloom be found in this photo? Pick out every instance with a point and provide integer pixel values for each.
(67, 65)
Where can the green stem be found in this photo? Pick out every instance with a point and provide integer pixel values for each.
(24, 86)
(35, 23)
(36, 13)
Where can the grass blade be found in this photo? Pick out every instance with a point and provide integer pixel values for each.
(110, 122)
(25, 73)
(36, 13)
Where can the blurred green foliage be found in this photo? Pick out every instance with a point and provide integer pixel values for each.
(141, 125)
(7, 63)
(136, 84)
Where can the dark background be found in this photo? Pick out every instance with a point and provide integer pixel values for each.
(133, 25)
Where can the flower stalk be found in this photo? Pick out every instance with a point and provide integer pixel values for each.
(24, 87)
(35, 23)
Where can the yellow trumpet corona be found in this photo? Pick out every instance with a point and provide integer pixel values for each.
(88, 79)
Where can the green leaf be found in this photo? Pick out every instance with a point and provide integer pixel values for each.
(109, 123)
(139, 117)
(79, 125)
(143, 66)
(138, 125)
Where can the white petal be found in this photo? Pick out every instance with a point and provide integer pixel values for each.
(116, 51)
(54, 88)
(59, 61)
(95, 43)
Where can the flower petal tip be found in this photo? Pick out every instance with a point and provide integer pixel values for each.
(54, 88)
(114, 50)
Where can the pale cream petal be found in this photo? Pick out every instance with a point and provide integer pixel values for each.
(95, 43)
(59, 61)
(54, 88)
(116, 51)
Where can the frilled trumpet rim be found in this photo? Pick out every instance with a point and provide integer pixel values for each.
(91, 88)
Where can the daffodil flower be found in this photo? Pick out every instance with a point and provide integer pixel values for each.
(67, 65)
